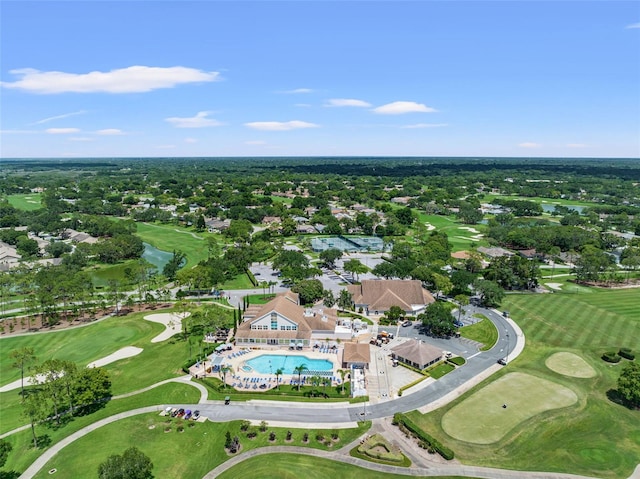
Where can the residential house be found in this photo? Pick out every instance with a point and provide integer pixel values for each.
(356, 355)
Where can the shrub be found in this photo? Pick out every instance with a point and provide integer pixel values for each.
(627, 354)
(305, 437)
(430, 441)
(252, 434)
(289, 435)
(320, 437)
(272, 436)
(611, 357)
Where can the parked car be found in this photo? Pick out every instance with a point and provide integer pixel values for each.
(458, 324)
(168, 410)
(180, 412)
(227, 400)
(195, 415)
(187, 414)
(505, 314)
(502, 361)
(174, 412)
(406, 323)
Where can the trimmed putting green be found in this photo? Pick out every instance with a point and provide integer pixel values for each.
(569, 364)
(26, 202)
(482, 419)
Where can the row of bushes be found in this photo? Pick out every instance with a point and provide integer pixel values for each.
(411, 384)
(431, 442)
(613, 357)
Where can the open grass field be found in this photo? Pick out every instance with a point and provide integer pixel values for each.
(23, 453)
(484, 331)
(594, 436)
(279, 466)
(187, 454)
(25, 202)
(482, 419)
(597, 320)
(241, 281)
(172, 237)
(538, 199)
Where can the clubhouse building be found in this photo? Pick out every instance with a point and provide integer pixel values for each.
(377, 296)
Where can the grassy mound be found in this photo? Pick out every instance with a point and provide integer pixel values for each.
(377, 447)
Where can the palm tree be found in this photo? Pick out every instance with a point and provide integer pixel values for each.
(299, 370)
(342, 373)
(278, 373)
(224, 370)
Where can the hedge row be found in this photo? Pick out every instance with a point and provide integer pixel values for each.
(429, 440)
(627, 354)
(611, 357)
(411, 384)
(252, 278)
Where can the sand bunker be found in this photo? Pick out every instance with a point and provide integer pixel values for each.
(172, 322)
(569, 364)
(429, 226)
(28, 381)
(556, 286)
(123, 353)
(469, 228)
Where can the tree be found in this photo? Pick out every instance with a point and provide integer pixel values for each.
(345, 300)
(491, 294)
(310, 290)
(629, 383)
(91, 387)
(462, 300)
(175, 263)
(35, 408)
(355, 267)
(299, 370)
(328, 299)
(22, 358)
(329, 257)
(5, 449)
(342, 373)
(279, 372)
(437, 319)
(223, 371)
(394, 314)
(133, 464)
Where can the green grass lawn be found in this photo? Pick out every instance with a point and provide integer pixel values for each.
(594, 436)
(158, 361)
(484, 331)
(440, 370)
(172, 237)
(25, 202)
(282, 465)
(539, 199)
(260, 298)
(459, 237)
(241, 281)
(23, 453)
(187, 454)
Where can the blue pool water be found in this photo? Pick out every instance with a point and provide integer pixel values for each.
(269, 363)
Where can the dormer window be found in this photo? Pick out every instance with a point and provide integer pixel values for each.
(274, 322)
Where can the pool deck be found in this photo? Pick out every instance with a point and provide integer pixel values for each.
(244, 380)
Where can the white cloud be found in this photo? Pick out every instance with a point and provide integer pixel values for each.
(529, 144)
(347, 102)
(577, 145)
(190, 140)
(280, 125)
(81, 138)
(110, 132)
(297, 91)
(633, 25)
(426, 125)
(255, 142)
(61, 131)
(400, 107)
(59, 117)
(165, 147)
(132, 79)
(198, 121)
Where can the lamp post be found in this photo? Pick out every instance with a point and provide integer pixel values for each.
(507, 357)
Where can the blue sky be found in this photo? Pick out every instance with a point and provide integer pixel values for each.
(269, 78)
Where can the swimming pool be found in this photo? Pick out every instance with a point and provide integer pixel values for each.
(270, 363)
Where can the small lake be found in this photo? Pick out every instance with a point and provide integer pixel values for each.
(155, 256)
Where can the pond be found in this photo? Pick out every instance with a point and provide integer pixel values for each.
(155, 256)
